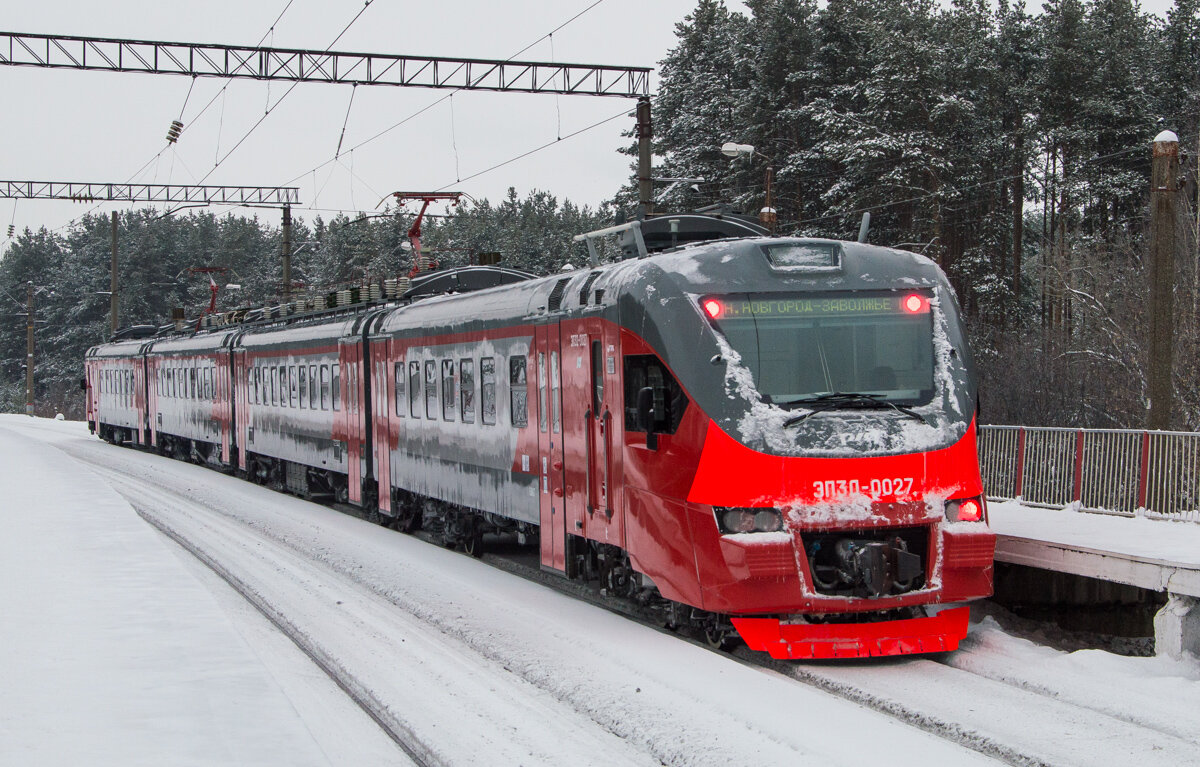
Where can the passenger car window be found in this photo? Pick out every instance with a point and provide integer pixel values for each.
(398, 371)
(448, 395)
(466, 386)
(431, 389)
(518, 394)
(487, 377)
(336, 386)
(414, 389)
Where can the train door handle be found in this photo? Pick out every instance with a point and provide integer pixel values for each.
(557, 465)
(558, 492)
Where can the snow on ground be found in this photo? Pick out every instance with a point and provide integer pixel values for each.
(1142, 537)
(647, 696)
(113, 651)
(105, 609)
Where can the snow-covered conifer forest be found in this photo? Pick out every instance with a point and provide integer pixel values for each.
(1012, 147)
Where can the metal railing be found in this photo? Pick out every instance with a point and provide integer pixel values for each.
(1103, 470)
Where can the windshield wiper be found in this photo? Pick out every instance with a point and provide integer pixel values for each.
(839, 399)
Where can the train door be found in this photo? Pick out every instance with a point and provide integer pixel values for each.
(240, 402)
(588, 433)
(381, 415)
(152, 414)
(546, 376)
(350, 360)
(141, 399)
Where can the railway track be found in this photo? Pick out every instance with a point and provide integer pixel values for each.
(978, 706)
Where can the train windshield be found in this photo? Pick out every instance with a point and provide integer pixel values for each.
(801, 346)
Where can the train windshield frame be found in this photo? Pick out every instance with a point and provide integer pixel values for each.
(801, 346)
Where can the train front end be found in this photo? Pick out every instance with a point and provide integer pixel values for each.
(836, 507)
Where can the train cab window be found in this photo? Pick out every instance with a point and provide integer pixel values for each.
(466, 388)
(487, 379)
(518, 391)
(398, 371)
(324, 387)
(336, 387)
(669, 401)
(303, 372)
(431, 389)
(542, 391)
(449, 402)
(414, 389)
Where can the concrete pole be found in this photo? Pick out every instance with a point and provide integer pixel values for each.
(29, 348)
(114, 301)
(287, 253)
(645, 132)
(1164, 172)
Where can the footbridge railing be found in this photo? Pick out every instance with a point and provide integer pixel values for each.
(1103, 470)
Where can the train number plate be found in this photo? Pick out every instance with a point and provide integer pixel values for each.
(891, 487)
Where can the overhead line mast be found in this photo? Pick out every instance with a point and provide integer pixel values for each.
(295, 64)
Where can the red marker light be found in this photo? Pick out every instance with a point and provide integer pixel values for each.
(970, 511)
(712, 307)
(914, 304)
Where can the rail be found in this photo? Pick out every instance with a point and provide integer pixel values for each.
(1114, 471)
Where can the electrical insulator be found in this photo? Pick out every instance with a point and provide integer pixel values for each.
(11, 229)
(173, 131)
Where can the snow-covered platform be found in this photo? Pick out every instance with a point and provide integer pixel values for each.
(1155, 554)
(117, 652)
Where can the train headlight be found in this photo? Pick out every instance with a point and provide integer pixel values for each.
(747, 520)
(768, 521)
(966, 509)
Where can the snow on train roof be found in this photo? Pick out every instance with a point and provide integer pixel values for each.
(316, 330)
(201, 342)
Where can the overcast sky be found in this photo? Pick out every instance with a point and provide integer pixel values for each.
(104, 127)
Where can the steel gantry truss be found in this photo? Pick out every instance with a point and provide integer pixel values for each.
(232, 61)
(207, 195)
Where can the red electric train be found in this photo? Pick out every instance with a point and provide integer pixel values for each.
(765, 437)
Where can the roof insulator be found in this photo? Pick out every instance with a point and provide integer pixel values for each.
(174, 131)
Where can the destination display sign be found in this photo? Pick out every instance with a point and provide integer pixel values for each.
(833, 305)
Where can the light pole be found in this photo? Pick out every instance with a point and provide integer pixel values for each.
(30, 322)
(767, 215)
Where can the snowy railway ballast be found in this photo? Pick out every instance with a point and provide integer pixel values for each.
(765, 437)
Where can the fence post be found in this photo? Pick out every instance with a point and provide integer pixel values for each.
(1144, 474)
(1019, 483)
(1077, 491)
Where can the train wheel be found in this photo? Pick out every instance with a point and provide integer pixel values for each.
(473, 542)
(719, 634)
